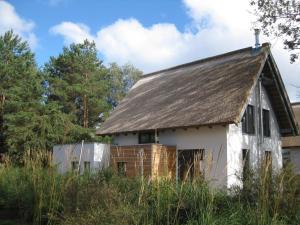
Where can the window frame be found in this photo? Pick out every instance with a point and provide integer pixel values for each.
(248, 120)
(150, 139)
(75, 165)
(85, 166)
(245, 164)
(124, 168)
(266, 123)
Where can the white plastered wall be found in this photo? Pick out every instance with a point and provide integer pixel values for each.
(236, 141)
(212, 140)
(95, 153)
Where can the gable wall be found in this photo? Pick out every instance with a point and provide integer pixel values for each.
(238, 141)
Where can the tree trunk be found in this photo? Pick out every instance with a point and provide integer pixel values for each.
(85, 112)
(85, 106)
(2, 100)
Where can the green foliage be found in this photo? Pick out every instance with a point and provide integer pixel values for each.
(280, 18)
(39, 195)
(121, 79)
(63, 103)
(77, 82)
(23, 118)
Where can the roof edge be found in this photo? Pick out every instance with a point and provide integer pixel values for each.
(266, 44)
(286, 99)
(168, 128)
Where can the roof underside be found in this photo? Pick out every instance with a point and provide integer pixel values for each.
(205, 92)
(293, 141)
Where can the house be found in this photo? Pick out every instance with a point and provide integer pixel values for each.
(291, 145)
(217, 114)
(81, 157)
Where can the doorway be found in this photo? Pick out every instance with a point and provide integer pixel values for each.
(190, 164)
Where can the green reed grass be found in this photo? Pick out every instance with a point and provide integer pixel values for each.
(39, 195)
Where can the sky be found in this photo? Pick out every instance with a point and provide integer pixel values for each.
(151, 35)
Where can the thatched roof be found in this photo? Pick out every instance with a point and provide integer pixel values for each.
(205, 92)
(293, 141)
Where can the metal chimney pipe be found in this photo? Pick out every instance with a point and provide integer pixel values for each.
(256, 33)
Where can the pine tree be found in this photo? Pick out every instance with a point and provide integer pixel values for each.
(20, 93)
(77, 81)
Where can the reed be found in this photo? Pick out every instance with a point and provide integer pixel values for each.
(37, 194)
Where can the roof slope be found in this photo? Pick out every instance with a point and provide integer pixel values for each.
(205, 92)
(293, 141)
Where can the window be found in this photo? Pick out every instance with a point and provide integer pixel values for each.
(87, 166)
(266, 123)
(246, 164)
(248, 126)
(146, 137)
(268, 161)
(121, 168)
(191, 164)
(75, 165)
(286, 157)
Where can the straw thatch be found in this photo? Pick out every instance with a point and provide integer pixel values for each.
(205, 92)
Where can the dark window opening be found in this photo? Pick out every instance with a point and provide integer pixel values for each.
(75, 165)
(286, 157)
(121, 168)
(190, 164)
(87, 166)
(266, 123)
(246, 164)
(268, 162)
(248, 126)
(147, 137)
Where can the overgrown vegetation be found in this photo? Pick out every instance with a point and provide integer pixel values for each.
(36, 194)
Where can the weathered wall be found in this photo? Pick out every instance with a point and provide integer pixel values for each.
(137, 158)
(238, 141)
(149, 160)
(163, 161)
(95, 153)
(213, 140)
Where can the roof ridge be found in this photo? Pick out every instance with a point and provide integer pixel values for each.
(266, 44)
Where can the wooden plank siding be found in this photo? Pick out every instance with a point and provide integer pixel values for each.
(152, 161)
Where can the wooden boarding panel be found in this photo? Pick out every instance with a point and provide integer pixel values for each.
(152, 161)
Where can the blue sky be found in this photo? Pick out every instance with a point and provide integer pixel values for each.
(151, 35)
(95, 13)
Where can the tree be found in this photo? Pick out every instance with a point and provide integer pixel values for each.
(77, 81)
(282, 19)
(121, 79)
(20, 89)
(26, 123)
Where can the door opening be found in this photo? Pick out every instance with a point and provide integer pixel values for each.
(190, 164)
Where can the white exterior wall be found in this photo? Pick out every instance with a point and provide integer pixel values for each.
(294, 158)
(128, 139)
(238, 141)
(213, 140)
(95, 153)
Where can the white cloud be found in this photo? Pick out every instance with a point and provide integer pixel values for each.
(216, 27)
(72, 32)
(11, 20)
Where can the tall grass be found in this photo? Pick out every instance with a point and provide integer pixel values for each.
(39, 195)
